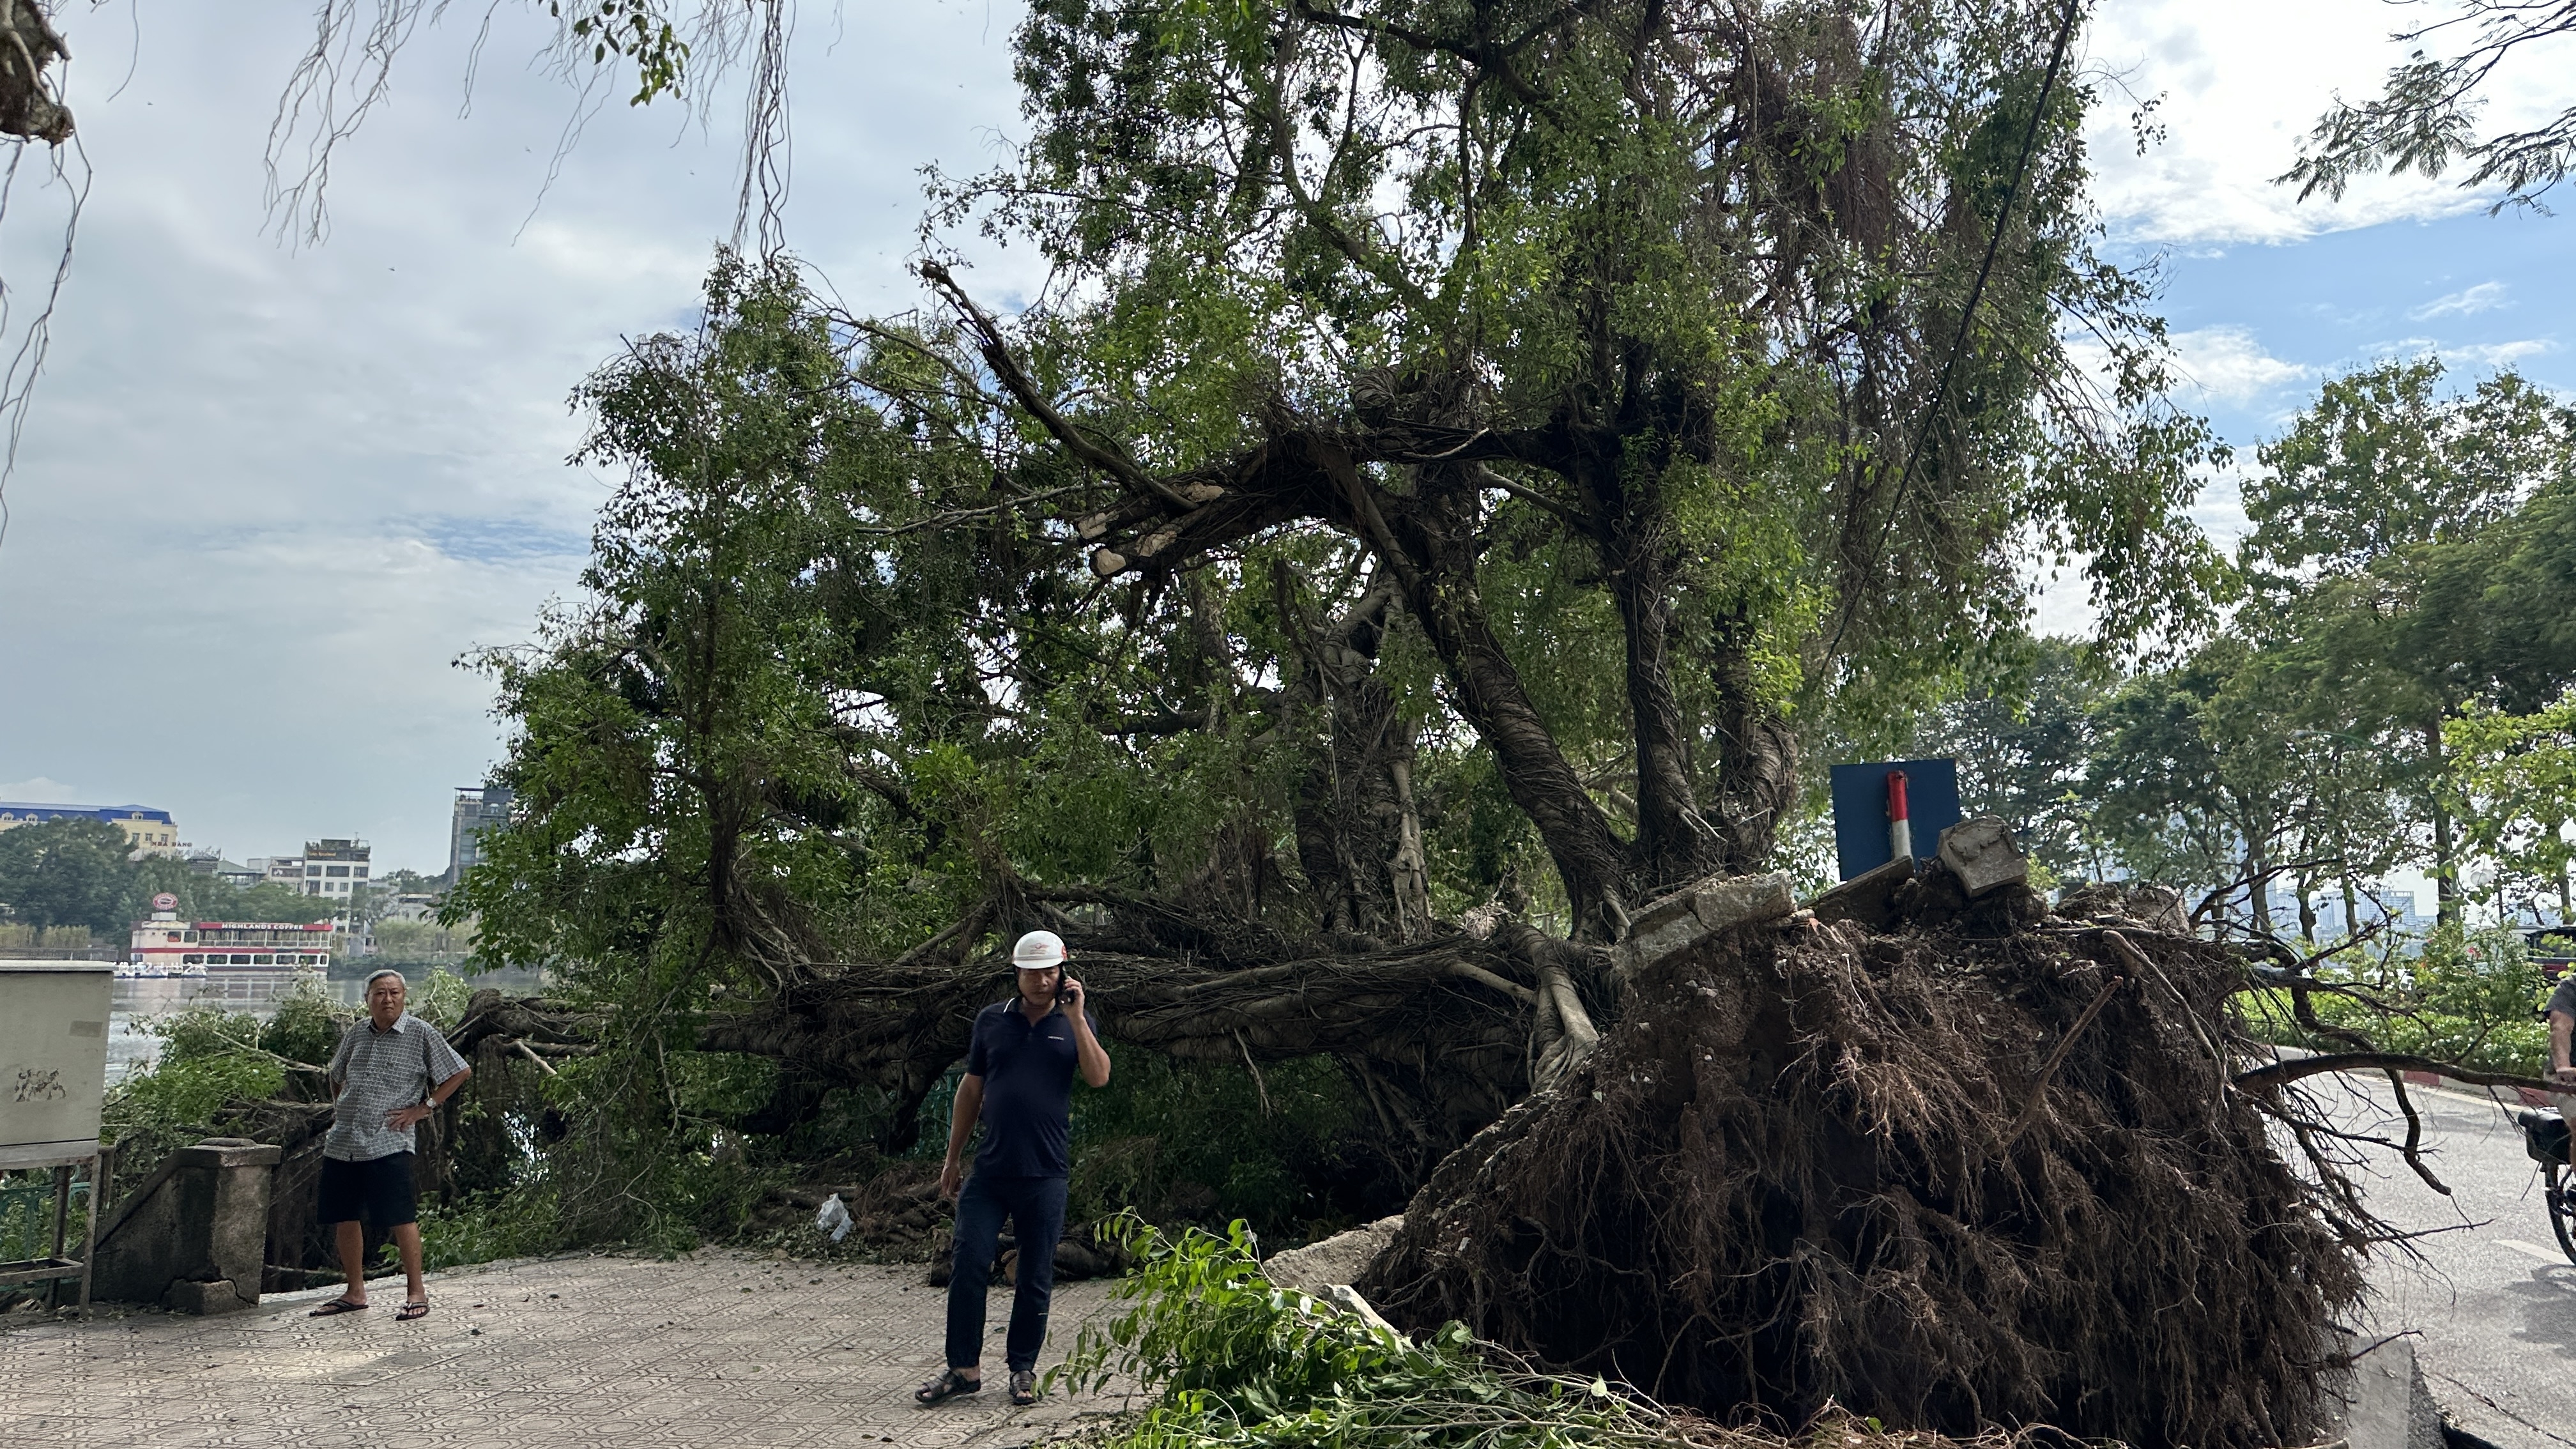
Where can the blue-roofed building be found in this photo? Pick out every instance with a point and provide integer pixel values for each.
(146, 829)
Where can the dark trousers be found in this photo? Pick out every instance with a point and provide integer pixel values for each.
(1035, 1206)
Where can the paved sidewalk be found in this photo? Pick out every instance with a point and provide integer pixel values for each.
(636, 1353)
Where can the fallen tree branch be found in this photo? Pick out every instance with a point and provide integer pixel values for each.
(2048, 1069)
(1480, 975)
(2414, 1136)
(2280, 1073)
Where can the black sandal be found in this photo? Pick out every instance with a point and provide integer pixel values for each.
(948, 1385)
(411, 1311)
(1024, 1388)
(336, 1307)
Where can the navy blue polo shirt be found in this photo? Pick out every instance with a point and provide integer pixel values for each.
(1027, 1069)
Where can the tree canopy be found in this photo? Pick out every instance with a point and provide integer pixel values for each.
(1460, 452)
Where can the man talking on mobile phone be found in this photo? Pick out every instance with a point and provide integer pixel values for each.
(1019, 1084)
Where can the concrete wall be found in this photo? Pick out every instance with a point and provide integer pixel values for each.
(194, 1237)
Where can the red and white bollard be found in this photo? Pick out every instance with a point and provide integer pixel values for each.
(1900, 829)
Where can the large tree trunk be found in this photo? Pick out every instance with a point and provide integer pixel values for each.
(1354, 797)
(2446, 863)
(1757, 766)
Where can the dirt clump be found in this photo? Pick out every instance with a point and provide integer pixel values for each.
(1816, 1167)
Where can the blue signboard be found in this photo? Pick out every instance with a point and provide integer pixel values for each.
(1861, 841)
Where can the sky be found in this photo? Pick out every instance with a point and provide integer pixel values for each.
(268, 495)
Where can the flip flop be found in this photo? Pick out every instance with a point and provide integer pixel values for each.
(411, 1311)
(948, 1385)
(336, 1307)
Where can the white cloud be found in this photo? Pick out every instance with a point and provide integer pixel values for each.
(2485, 296)
(2240, 85)
(41, 791)
(268, 497)
(2227, 364)
(2499, 354)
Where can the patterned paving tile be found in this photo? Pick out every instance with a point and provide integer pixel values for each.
(564, 1353)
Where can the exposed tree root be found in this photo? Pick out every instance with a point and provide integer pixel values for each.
(1812, 1166)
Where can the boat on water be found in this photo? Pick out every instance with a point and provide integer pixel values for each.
(168, 947)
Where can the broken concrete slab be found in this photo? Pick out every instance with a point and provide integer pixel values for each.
(1697, 911)
(1982, 854)
(2384, 1404)
(1869, 898)
(1340, 1258)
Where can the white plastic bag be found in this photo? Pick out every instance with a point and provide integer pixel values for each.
(834, 1220)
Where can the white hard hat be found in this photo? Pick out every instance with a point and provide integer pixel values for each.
(1039, 950)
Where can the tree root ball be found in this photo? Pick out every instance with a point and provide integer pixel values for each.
(1790, 1181)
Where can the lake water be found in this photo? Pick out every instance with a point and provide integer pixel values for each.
(140, 1001)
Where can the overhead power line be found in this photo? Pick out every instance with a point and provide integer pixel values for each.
(1967, 320)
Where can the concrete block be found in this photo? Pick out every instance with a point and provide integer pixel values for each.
(195, 1236)
(1981, 853)
(1341, 1258)
(2381, 1406)
(1738, 899)
(1698, 911)
(219, 1296)
(1869, 898)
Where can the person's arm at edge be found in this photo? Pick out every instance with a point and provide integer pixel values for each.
(961, 1125)
(1090, 1058)
(2561, 1028)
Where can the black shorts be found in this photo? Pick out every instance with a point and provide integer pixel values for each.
(378, 1189)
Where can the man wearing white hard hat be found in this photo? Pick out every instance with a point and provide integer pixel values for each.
(1019, 1084)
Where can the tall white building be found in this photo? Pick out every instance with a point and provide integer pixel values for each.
(334, 867)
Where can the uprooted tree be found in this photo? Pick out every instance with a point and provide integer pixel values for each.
(1458, 454)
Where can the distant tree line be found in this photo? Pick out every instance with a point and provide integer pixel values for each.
(78, 873)
(2390, 689)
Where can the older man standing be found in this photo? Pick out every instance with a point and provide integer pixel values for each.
(1019, 1076)
(391, 1072)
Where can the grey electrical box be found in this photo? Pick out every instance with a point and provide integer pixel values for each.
(53, 1057)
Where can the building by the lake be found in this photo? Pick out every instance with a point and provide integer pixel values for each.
(147, 830)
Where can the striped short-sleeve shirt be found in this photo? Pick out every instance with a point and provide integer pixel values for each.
(380, 1070)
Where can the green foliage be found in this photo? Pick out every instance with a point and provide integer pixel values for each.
(66, 873)
(208, 898)
(184, 1094)
(511, 1224)
(2517, 774)
(76, 873)
(2023, 737)
(438, 998)
(422, 943)
(306, 1026)
(2471, 998)
(1232, 1360)
(210, 1060)
(2411, 552)
(2425, 118)
(1184, 1139)
(639, 31)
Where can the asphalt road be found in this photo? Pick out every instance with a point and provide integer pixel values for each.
(2490, 1299)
